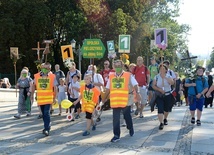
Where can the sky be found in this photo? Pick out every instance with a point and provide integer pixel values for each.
(200, 16)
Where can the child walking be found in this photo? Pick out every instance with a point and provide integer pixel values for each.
(89, 96)
(73, 90)
(61, 93)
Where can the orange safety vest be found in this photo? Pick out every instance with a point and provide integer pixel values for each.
(119, 90)
(90, 98)
(44, 86)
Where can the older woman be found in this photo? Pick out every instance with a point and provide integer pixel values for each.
(24, 84)
(162, 84)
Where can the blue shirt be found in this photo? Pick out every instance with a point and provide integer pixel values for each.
(200, 86)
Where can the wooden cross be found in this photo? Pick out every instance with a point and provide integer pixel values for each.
(189, 58)
(38, 50)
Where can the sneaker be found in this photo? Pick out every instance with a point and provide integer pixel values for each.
(141, 115)
(51, 111)
(98, 119)
(131, 132)
(17, 116)
(161, 126)
(193, 120)
(124, 124)
(28, 114)
(115, 139)
(45, 132)
(165, 122)
(136, 112)
(86, 133)
(40, 116)
(198, 123)
(59, 114)
(94, 127)
(77, 116)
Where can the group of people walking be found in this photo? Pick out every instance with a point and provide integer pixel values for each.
(118, 88)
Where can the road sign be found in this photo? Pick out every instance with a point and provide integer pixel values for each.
(124, 43)
(67, 52)
(111, 49)
(93, 48)
(161, 38)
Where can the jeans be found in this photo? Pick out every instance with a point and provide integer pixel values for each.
(116, 119)
(46, 116)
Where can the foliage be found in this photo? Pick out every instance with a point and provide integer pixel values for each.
(211, 62)
(191, 73)
(28, 21)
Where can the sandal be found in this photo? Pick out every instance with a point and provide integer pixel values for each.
(193, 120)
(198, 123)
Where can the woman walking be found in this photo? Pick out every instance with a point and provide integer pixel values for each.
(24, 84)
(162, 85)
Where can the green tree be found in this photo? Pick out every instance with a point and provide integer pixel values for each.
(27, 22)
(22, 23)
(211, 61)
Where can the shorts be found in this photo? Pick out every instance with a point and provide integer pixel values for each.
(130, 99)
(88, 115)
(143, 93)
(164, 104)
(195, 103)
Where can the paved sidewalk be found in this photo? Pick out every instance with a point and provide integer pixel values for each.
(24, 136)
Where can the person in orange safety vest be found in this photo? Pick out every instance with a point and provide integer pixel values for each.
(120, 85)
(89, 95)
(45, 83)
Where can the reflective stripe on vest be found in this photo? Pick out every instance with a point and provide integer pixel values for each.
(89, 99)
(44, 89)
(119, 90)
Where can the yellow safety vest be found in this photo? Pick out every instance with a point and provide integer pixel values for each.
(45, 87)
(119, 90)
(90, 98)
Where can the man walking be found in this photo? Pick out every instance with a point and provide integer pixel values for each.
(120, 85)
(45, 82)
(142, 76)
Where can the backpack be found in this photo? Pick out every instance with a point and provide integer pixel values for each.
(145, 71)
(203, 82)
(61, 75)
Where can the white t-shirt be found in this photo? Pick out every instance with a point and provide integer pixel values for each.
(159, 80)
(62, 88)
(72, 73)
(76, 93)
(98, 79)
